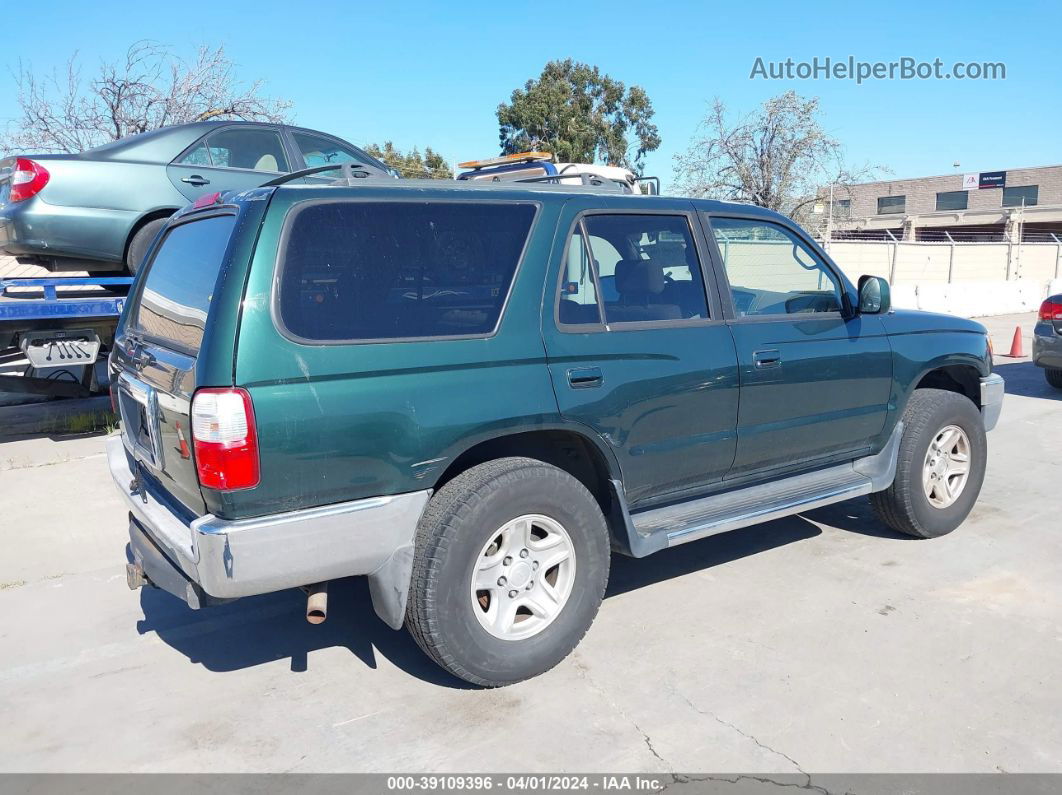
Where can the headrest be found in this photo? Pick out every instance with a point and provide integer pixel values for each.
(639, 277)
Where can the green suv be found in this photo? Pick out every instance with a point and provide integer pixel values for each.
(474, 394)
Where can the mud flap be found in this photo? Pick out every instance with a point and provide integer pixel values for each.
(389, 586)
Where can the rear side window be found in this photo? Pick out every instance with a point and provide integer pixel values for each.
(254, 148)
(395, 270)
(179, 283)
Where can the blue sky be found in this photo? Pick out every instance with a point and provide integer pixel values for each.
(424, 73)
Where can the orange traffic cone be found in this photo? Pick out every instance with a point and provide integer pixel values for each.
(1015, 345)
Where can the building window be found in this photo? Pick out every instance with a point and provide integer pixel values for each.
(1021, 196)
(842, 208)
(889, 205)
(952, 200)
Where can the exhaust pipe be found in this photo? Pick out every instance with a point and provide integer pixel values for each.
(317, 603)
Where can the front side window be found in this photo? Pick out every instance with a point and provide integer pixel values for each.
(888, 205)
(362, 271)
(253, 148)
(179, 283)
(634, 269)
(318, 151)
(771, 271)
(952, 200)
(1021, 196)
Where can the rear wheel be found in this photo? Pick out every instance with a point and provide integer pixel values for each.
(138, 246)
(511, 563)
(1054, 376)
(940, 466)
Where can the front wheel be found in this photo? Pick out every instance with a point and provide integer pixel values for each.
(940, 466)
(1054, 376)
(510, 567)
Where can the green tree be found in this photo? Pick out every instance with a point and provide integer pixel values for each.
(581, 116)
(413, 165)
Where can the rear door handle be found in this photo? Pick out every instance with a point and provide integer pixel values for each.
(764, 359)
(196, 180)
(585, 377)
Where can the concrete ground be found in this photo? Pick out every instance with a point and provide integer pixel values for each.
(818, 643)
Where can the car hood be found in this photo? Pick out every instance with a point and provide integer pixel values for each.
(915, 321)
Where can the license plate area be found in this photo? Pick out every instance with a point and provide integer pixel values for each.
(138, 405)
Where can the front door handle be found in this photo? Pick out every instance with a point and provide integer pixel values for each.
(765, 359)
(585, 377)
(196, 180)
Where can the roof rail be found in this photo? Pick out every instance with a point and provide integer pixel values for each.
(352, 172)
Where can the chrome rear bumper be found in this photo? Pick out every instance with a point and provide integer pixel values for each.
(227, 559)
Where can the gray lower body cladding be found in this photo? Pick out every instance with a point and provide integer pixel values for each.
(211, 559)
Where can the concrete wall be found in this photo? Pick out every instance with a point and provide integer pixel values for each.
(971, 279)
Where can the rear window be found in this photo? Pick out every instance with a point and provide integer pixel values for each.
(179, 283)
(396, 270)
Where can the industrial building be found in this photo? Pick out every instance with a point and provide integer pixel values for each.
(1022, 204)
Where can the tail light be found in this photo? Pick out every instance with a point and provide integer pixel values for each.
(225, 439)
(1051, 310)
(28, 179)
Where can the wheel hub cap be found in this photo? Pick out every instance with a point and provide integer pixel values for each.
(523, 577)
(947, 466)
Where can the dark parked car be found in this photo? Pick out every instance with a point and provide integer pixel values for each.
(474, 393)
(1047, 340)
(99, 210)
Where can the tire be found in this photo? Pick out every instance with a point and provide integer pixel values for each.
(1054, 376)
(905, 506)
(138, 246)
(458, 537)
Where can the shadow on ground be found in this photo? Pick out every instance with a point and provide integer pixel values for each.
(1027, 380)
(262, 629)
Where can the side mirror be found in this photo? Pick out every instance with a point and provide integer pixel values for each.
(875, 298)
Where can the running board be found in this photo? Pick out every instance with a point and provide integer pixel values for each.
(672, 525)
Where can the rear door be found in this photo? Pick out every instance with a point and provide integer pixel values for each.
(158, 348)
(229, 158)
(636, 346)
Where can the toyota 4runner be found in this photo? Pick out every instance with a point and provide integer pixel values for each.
(473, 394)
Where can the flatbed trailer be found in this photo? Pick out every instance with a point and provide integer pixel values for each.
(58, 322)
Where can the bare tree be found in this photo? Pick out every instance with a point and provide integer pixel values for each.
(778, 157)
(149, 88)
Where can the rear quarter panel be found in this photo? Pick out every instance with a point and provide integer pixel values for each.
(340, 422)
(89, 207)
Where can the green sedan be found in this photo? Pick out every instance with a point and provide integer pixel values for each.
(99, 210)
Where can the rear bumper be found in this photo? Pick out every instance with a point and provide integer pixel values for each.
(1047, 346)
(61, 234)
(210, 559)
(992, 389)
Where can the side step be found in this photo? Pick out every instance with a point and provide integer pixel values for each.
(672, 525)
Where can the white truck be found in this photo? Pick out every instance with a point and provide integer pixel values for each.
(539, 167)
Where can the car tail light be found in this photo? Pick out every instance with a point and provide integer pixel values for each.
(1051, 310)
(28, 179)
(225, 439)
(206, 200)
